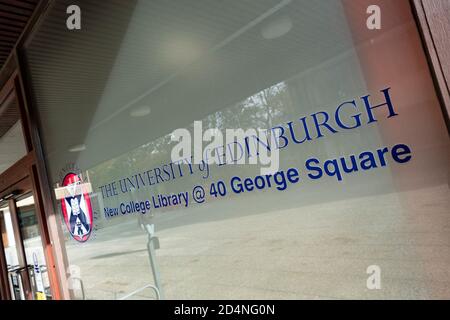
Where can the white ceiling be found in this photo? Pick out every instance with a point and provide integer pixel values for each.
(12, 146)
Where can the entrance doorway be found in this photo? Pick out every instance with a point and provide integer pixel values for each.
(22, 245)
(27, 268)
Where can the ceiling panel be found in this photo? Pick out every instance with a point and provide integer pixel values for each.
(14, 15)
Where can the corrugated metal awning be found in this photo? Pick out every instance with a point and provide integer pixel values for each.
(14, 15)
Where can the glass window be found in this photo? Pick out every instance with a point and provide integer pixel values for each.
(12, 141)
(357, 206)
(32, 245)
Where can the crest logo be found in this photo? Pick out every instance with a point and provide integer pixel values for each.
(76, 207)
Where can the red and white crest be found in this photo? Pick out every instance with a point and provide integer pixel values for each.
(77, 209)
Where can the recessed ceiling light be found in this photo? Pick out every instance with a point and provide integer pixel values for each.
(77, 148)
(181, 49)
(141, 111)
(277, 28)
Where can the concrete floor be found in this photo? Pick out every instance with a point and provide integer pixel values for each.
(318, 251)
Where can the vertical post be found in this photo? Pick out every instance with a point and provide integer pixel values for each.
(150, 228)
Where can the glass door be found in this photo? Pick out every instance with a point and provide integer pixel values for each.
(17, 273)
(22, 247)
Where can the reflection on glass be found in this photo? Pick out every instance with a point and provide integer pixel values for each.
(32, 242)
(9, 241)
(257, 64)
(11, 253)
